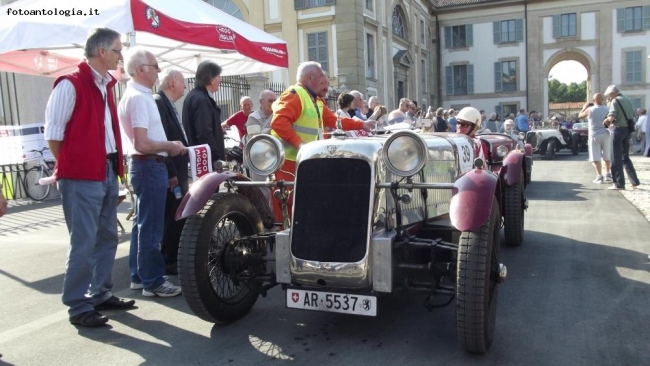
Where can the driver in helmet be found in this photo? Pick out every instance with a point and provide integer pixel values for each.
(468, 122)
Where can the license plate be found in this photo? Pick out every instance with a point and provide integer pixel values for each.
(332, 302)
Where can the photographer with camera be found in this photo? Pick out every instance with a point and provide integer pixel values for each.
(620, 112)
(600, 143)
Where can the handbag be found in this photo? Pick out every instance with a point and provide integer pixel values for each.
(630, 122)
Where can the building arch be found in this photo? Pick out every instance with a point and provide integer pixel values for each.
(236, 8)
(399, 22)
(571, 54)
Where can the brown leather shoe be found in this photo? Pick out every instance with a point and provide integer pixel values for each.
(89, 319)
(115, 303)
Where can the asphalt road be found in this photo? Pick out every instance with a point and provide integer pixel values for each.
(577, 294)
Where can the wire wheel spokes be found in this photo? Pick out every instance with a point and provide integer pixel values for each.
(224, 232)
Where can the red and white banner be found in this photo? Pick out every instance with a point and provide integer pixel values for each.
(151, 20)
(200, 160)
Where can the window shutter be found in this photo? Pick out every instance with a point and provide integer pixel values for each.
(470, 79)
(311, 40)
(449, 80)
(499, 111)
(496, 29)
(646, 17)
(519, 30)
(556, 26)
(469, 36)
(498, 83)
(298, 4)
(447, 37)
(620, 20)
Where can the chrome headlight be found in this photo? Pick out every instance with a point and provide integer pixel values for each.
(405, 153)
(502, 151)
(263, 154)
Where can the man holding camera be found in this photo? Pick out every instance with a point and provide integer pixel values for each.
(600, 144)
(620, 111)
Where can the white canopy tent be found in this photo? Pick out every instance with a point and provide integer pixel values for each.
(180, 33)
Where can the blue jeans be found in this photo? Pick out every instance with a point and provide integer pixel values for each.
(149, 181)
(90, 210)
(621, 158)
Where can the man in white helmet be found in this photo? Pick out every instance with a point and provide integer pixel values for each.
(468, 122)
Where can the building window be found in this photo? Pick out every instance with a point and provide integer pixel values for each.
(423, 71)
(633, 19)
(565, 25)
(317, 49)
(228, 7)
(421, 31)
(307, 4)
(505, 76)
(637, 102)
(370, 56)
(508, 31)
(459, 36)
(398, 22)
(633, 65)
(369, 5)
(504, 109)
(459, 79)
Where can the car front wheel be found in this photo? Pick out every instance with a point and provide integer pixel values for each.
(513, 213)
(477, 280)
(214, 294)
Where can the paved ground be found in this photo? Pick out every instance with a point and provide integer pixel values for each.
(577, 294)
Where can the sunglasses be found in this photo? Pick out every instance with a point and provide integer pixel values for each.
(464, 124)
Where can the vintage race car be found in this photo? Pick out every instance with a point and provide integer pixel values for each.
(371, 216)
(547, 142)
(582, 128)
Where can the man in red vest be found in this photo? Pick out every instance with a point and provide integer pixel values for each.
(82, 131)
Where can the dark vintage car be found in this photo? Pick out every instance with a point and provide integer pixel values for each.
(372, 216)
(547, 142)
(582, 128)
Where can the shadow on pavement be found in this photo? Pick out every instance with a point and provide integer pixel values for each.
(555, 191)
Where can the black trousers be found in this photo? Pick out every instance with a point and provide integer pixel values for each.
(173, 228)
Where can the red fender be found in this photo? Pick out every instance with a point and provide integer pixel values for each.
(528, 148)
(472, 201)
(201, 191)
(513, 163)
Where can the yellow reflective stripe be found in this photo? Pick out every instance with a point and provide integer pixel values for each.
(307, 130)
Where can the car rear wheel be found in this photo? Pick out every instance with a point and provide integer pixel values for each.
(208, 288)
(550, 150)
(477, 281)
(575, 143)
(513, 213)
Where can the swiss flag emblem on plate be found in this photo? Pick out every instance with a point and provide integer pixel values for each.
(295, 297)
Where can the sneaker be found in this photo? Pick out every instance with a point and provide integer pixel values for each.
(608, 177)
(615, 188)
(138, 285)
(167, 289)
(599, 179)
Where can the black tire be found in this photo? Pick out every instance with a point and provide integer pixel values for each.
(34, 190)
(477, 281)
(575, 143)
(550, 150)
(513, 213)
(208, 290)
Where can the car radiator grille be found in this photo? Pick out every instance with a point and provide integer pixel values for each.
(330, 215)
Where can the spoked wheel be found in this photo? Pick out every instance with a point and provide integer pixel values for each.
(477, 282)
(33, 189)
(513, 213)
(209, 289)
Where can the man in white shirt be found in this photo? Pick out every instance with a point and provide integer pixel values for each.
(141, 122)
(641, 127)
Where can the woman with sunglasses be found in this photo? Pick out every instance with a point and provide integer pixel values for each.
(468, 122)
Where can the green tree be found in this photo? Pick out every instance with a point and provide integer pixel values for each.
(560, 93)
